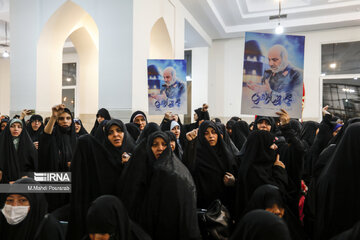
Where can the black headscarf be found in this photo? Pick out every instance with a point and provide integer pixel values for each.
(50, 228)
(227, 139)
(16, 163)
(230, 124)
(99, 133)
(34, 135)
(240, 131)
(257, 167)
(149, 128)
(135, 177)
(94, 173)
(105, 114)
(264, 197)
(235, 118)
(178, 151)
(337, 188)
(261, 225)
(132, 118)
(217, 120)
(26, 229)
(351, 234)
(107, 214)
(202, 115)
(169, 205)
(127, 144)
(308, 132)
(2, 121)
(211, 164)
(82, 129)
(133, 130)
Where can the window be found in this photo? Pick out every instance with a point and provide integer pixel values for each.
(69, 86)
(340, 58)
(188, 58)
(343, 97)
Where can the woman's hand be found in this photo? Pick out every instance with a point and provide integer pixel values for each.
(192, 135)
(57, 110)
(278, 162)
(125, 157)
(229, 179)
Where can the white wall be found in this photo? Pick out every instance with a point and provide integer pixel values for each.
(114, 21)
(226, 66)
(4, 86)
(146, 14)
(200, 69)
(124, 45)
(225, 74)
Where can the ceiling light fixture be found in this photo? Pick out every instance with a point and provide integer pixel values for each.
(5, 54)
(68, 79)
(279, 29)
(333, 64)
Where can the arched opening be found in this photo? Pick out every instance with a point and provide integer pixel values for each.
(73, 22)
(160, 42)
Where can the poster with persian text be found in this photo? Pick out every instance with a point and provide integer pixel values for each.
(167, 86)
(273, 74)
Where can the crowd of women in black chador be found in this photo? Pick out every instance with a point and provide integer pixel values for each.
(276, 178)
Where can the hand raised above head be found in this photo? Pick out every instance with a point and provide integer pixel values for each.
(57, 110)
(284, 117)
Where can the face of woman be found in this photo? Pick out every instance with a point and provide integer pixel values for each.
(15, 129)
(99, 236)
(158, 146)
(336, 132)
(211, 136)
(116, 136)
(17, 200)
(176, 131)
(100, 118)
(64, 120)
(77, 127)
(35, 125)
(264, 125)
(172, 145)
(140, 120)
(3, 125)
(275, 209)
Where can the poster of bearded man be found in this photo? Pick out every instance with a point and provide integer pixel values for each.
(273, 74)
(167, 86)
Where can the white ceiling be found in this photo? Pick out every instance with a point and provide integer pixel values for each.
(4, 17)
(4, 10)
(231, 18)
(193, 38)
